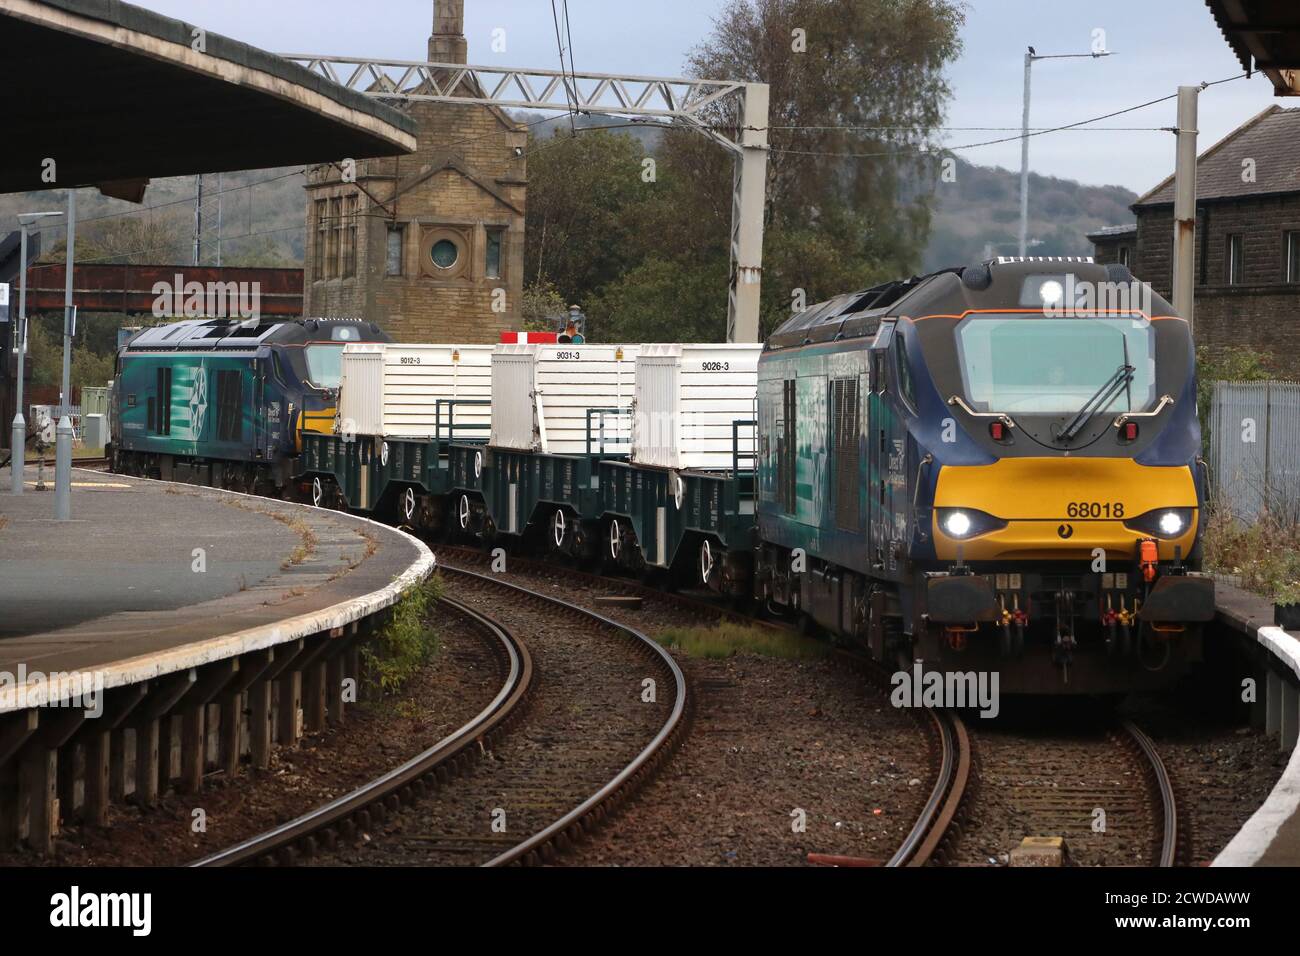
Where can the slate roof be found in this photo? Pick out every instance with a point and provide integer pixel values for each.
(1112, 232)
(1269, 139)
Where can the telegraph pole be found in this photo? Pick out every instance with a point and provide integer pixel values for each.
(1184, 284)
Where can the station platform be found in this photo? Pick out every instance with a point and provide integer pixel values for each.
(1271, 837)
(148, 575)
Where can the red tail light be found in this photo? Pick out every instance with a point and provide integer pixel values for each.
(1130, 431)
(998, 430)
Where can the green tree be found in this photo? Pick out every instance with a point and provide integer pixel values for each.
(543, 307)
(583, 192)
(852, 119)
(639, 252)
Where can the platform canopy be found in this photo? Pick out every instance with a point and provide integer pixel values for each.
(114, 93)
(1265, 35)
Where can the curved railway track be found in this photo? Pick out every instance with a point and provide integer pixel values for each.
(950, 741)
(513, 713)
(922, 845)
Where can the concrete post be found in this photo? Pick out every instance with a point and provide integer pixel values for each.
(749, 198)
(1185, 207)
(63, 470)
(1273, 704)
(18, 440)
(1290, 730)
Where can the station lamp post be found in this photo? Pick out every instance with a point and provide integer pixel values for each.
(1030, 58)
(18, 444)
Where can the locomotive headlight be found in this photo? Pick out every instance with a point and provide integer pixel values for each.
(1171, 523)
(1163, 522)
(966, 522)
(957, 524)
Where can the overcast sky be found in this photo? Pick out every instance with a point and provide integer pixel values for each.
(1158, 45)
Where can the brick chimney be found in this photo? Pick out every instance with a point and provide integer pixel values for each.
(447, 45)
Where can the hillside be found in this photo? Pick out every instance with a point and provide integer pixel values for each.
(262, 215)
(983, 207)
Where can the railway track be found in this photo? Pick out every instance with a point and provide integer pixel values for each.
(520, 751)
(930, 832)
(949, 740)
(565, 575)
(1102, 787)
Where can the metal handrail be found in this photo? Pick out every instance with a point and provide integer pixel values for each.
(451, 404)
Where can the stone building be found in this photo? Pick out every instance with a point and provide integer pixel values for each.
(429, 245)
(1247, 239)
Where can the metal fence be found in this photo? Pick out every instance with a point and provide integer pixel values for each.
(1254, 448)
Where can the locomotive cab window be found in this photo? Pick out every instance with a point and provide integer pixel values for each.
(905, 386)
(1053, 366)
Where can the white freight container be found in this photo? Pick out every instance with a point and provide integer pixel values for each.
(406, 391)
(687, 398)
(544, 395)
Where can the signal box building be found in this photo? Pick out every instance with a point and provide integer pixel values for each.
(430, 246)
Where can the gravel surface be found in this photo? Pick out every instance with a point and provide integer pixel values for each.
(376, 736)
(769, 737)
(1222, 769)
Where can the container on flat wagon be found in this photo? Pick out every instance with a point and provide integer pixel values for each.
(416, 391)
(688, 399)
(563, 399)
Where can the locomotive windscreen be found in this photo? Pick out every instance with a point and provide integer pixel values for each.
(324, 365)
(1014, 364)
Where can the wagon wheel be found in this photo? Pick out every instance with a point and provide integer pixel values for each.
(615, 539)
(706, 561)
(408, 505)
(559, 528)
(463, 512)
(317, 492)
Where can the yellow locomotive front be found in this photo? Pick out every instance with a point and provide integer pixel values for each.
(1059, 492)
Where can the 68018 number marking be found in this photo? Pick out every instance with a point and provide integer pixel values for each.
(1095, 509)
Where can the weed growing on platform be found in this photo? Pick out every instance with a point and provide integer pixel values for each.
(407, 642)
(727, 640)
(1265, 554)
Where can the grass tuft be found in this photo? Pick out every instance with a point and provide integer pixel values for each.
(407, 642)
(728, 639)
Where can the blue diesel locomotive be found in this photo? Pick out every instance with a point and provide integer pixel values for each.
(225, 403)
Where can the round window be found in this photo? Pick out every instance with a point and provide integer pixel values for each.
(444, 253)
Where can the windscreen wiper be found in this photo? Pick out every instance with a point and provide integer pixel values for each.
(1099, 401)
